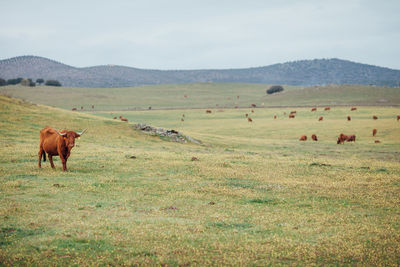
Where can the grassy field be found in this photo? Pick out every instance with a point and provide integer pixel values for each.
(202, 95)
(256, 196)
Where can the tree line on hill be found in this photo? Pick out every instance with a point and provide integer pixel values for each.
(29, 82)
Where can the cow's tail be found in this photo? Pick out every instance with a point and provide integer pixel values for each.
(44, 156)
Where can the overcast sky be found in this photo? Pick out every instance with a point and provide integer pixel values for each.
(202, 34)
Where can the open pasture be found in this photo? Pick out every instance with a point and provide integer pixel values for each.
(255, 196)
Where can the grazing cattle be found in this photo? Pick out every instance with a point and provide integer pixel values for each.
(374, 132)
(115, 118)
(353, 108)
(73, 109)
(252, 111)
(348, 118)
(377, 141)
(92, 106)
(398, 117)
(314, 137)
(56, 143)
(253, 105)
(208, 111)
(237, 97)
(342, 137)
(375, 117)
(182, 119)
(249, 119)
(303, 138)
(291, 116)
(314, 109)
(247, 115)
(293, 112)
(274, 116)
(123, 119)
(81, 107)
(185, 96)
(320, 118)
(351, 138)
(327, 108)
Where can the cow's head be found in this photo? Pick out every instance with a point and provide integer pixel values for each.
(69, 137)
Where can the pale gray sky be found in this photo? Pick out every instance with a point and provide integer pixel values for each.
(184, 34)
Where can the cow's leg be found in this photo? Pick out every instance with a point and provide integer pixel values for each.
(51, 161)
(40, 156)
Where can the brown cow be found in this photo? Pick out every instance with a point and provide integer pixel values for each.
(327, 108)
(351, 138)
(314, 109)
(56, 143)
(249, 119)
(73, 109)
(291, 116)
(374, 132)
(377, 141)
(293, 112)
(398, 117)
(274, 116)
(348, 118)
(303, 138)
(314, 137)
(208, 111)
(247, 115)
(253, 105)
(353, 108)
(123, 119)
(320, 118)
(81, 107)
(375, 117)
(342, 137)
(92, 106)
(252, 111)
(115, 118)
(182, 119)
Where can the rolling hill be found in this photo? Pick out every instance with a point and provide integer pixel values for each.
(304, 72)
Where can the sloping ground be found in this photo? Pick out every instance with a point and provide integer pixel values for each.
(248, 200)
(303, 72)
(203, 95)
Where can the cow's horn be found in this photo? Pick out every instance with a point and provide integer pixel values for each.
(62, 134)
(82, 132)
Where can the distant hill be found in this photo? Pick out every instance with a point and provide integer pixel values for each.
(304, 72)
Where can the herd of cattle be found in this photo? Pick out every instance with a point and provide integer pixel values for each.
(60, 143)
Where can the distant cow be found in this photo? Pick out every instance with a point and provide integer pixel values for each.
(398, 117)
(247, 115)
(249, 119)
(293, 112)
(375, 117)
(81, 107)
(182, 119)
(314, 109)
(374, 132)
(377, 141)
(327, 108)
(348, 118)
(351, 138)
(274, 116)
(123, 119)
(353, 108)
(73, 109)
(208, 111)
(252, 111)
(92, 106)
(115, 118)
(291, 116)
(303, 138)
(320, 118)
(56, 143)
(342, 137)
(253, 105)
(183, 115)
(314, 137)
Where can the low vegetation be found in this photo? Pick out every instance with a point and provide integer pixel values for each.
(255, 195)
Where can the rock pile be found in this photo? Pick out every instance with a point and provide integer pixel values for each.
(171, 135)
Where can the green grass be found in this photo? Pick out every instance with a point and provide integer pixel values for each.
(256, 196)
(202, 95)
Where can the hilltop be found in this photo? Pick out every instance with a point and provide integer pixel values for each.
(304, 72)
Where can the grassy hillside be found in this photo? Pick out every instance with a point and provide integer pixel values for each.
(256, 196)
(202, 95)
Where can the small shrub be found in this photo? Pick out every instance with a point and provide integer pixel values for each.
(274, 89)
(52, 83)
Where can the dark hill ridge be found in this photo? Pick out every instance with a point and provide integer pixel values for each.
(303, 72)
